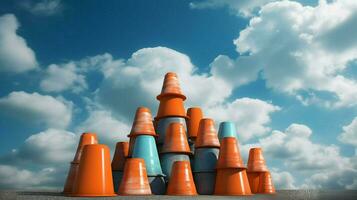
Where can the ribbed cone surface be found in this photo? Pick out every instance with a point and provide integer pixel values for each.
(86, 138)
(131, 146)
(73, 172)
(142, 124)
(120, 155)
(266, 185)
(232, 182)
(256, 161)
(194, 117)
(229, 155)
(135, 180)
(254, 178)
(95, 173)
(171, 86)
(171, 107)
(175, 140)
(181, 180)
(207, 134)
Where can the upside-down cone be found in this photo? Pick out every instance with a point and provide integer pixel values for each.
(256, 161)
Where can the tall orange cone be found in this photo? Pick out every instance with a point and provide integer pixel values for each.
(142, 124)
(181, 180)
(176, 140)
(266, 185)
(255, 167)
(86, 138)
(194, 117)
(171, 98)
(95, 173)
(229, 155)
(207, 134)
(232, 181)
(135, 180)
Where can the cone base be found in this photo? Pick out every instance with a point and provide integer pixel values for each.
(232, 182)
(93, 195)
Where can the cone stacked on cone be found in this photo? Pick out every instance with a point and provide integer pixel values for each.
(135, 180)
(175, 148)
(118, 162)
(86, 138)
(181, 181)
(194, 117)
(258, 173)
(205, 158)
(94, 173)
(227, 129)
(231, 176)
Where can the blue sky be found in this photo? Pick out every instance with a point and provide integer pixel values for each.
(283, 71)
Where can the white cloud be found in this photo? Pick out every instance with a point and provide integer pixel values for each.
(244, 8)
(349, 134)
(62, 77)
(282, 179)
(43, 7)
(36, 108)
(108, 129)
(251, 116)
(15, 55)
(293, 46)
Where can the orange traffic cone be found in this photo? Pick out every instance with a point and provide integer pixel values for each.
(232, 181)
(171, 98)
(266, 185)
(142, 124)
(120, 155)
(207, 134)
(86, 138)
(256, 165)
(229, 155)
(194, 117)
(135, 180)
(181, 180)
(176, 140)
(95, 173)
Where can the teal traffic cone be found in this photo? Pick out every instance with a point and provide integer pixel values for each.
(227, 129)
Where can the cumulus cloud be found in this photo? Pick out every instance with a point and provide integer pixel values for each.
(283, 179)
(251, 116)
(291, 46)
(43, 7)
(36, 108)
(62, 77)
(349, 134)
(244, 8)
(15, 55)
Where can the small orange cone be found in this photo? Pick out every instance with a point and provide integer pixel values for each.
(256, 161)
(142, 124)
(135, 180)
(86, 138)
(266, 185)
(171, 98)
(181, 180)
(95, 173)
(229, 155)
(207, 134)
(232, 182)
(120, 155)
(194, 117)
(175, 140)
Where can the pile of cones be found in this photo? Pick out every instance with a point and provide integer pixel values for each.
(160, 152)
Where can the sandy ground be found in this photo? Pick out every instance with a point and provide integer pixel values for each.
(282, 194)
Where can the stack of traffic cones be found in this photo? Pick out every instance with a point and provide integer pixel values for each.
(205, 158)
(194, 117)
(118, 163)
(135, 180)
(181, 181)
(231, 176)
(175, 148)
(171, 107)
(94, 173)
(86, 138)
(144, 146)
(258, 174)
(227, 129)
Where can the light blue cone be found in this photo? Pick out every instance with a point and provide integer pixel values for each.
(164, 123)
(227, 129)
(145, 148)
(205, 159)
